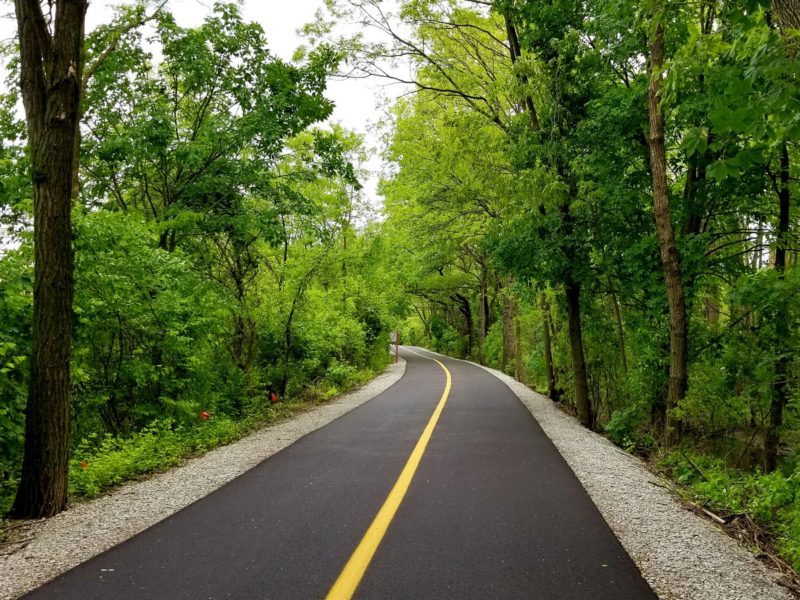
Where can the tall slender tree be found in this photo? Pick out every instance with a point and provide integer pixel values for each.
(670, 258)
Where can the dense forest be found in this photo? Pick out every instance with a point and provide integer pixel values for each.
(595, 197)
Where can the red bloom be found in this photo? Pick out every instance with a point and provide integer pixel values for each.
(272, 397)
(204, 415)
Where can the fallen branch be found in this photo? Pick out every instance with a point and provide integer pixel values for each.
(713, 516)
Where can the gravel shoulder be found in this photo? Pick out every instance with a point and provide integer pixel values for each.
(682, 556)
(49, 548)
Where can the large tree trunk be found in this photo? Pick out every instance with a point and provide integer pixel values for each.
(582, 402)
(670, 258)
(552, 388)
(780, 388)
(50, 75)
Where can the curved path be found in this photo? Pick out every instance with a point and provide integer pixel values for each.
(488, 509)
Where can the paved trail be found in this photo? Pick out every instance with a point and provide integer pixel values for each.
(481, 506)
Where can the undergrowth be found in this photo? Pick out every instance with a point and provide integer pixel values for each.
(772, 500)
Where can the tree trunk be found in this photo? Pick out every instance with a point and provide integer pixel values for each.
(508, 315)
(620, 332)
(670, 258)
(582, 402)
(712, 307)
(780, 388)
(466, 310)
(552, 388)
(515, 53)
(76, 159)
(50, 75)
(482, 314)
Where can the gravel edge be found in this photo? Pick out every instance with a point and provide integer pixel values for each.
(52, 547)
(682, 556)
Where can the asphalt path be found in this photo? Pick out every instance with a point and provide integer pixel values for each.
(492, 512)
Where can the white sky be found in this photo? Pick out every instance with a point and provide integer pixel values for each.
(357, 100)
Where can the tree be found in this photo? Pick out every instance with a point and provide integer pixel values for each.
(670, 258)
(51, 70)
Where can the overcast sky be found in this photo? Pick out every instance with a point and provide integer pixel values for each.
(356, 101)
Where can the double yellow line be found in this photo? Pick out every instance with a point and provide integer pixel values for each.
(348, 580)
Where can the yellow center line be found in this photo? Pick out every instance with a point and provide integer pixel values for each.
(348, 580)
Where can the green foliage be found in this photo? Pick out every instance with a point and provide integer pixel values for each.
(493, 345)
(223, 249)
(16, 289)
(147, 328)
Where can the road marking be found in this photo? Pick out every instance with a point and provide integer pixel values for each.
(348, 580)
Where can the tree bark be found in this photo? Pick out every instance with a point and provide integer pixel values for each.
(50, 75)
(552, 388)
(582, 402)
(670, 259)
(786, 14)
(780, 388)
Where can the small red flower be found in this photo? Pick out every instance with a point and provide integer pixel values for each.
(84, 464)
(204, 415)
(273, 398)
